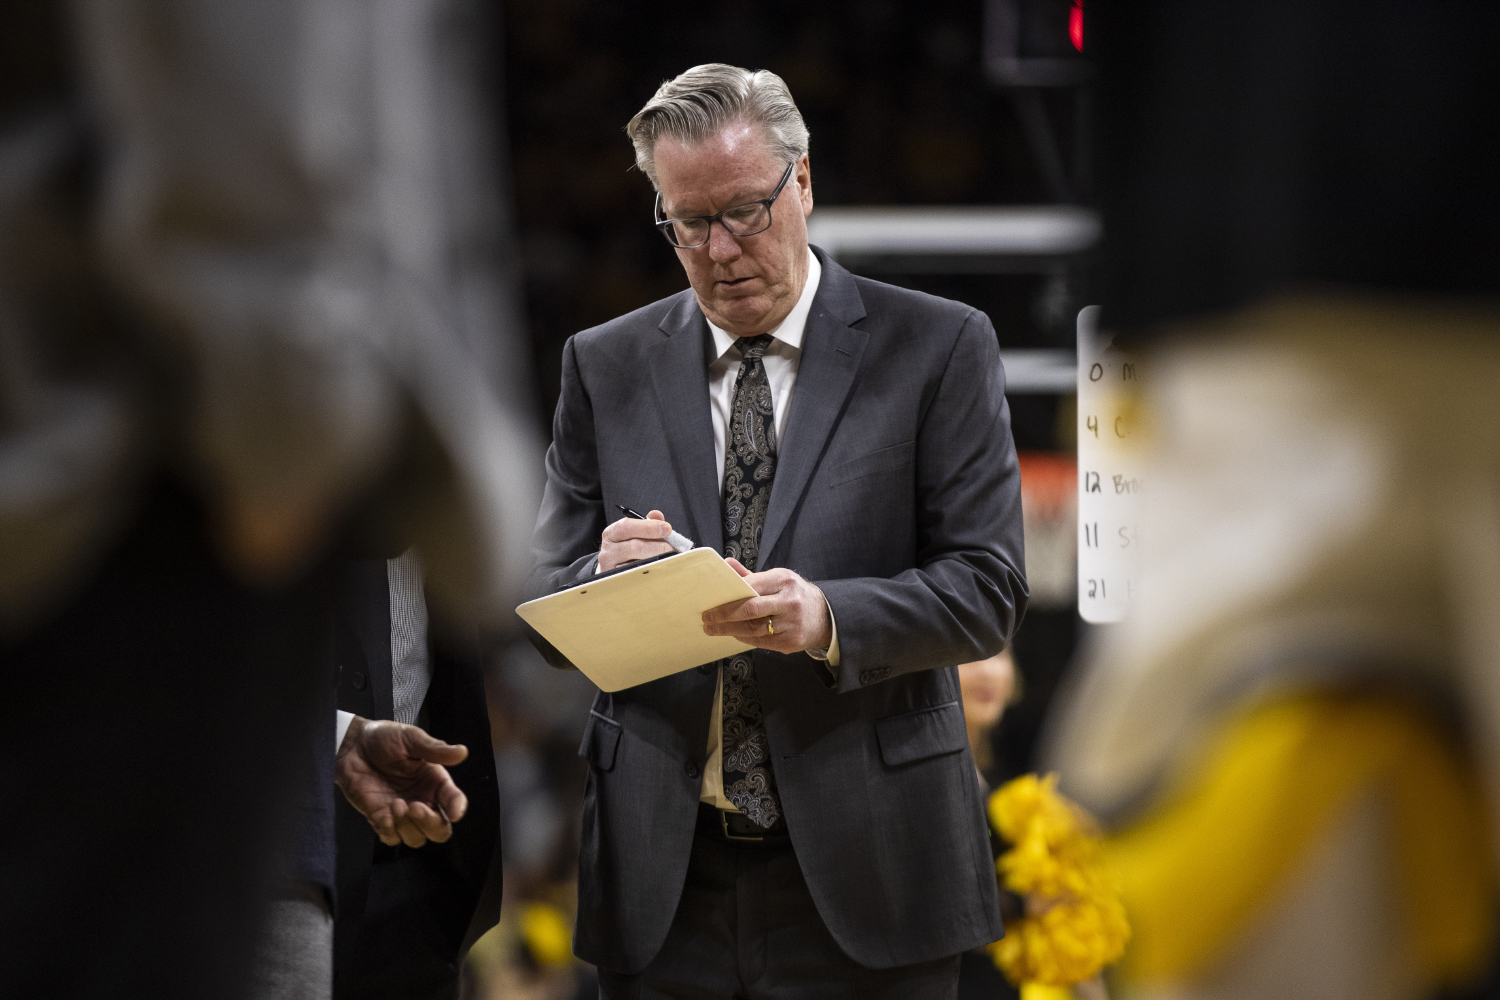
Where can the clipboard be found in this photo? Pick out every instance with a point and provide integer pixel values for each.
(641, 622)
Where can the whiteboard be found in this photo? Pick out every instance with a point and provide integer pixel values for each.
(1110, 473)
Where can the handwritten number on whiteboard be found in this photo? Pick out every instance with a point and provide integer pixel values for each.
(1108, 426)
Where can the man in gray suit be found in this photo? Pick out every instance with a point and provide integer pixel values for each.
(802, 819)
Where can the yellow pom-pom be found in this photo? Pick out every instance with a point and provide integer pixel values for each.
(547, 935)
(1075, 923)
(1036, 991)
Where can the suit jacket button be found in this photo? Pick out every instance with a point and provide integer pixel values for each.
(359, 681)
(691, 767)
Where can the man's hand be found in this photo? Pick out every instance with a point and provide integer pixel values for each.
(632, 538)
(395, 775)
(790, 614)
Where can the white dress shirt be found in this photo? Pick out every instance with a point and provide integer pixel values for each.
(780, 360)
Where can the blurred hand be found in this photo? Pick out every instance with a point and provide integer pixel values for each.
(397, 777)
(797, 609)
(632, 538)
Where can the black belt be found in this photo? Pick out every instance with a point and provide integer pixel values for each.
(737, 828)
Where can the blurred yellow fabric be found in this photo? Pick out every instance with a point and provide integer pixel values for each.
(548, 934)
(1036, 991)
(1197, 869)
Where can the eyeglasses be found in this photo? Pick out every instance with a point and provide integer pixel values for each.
(741, 220)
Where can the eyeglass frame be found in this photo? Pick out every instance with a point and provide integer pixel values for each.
(718, 217)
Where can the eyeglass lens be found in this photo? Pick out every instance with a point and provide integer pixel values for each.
(744, 220)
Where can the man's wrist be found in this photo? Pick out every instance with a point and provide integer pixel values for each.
(352, 730)
(830, 653)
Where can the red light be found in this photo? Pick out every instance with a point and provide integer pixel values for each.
(1075, 24)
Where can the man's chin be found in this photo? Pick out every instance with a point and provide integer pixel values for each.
(743, 313)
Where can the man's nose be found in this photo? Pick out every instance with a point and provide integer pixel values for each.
(722, 246)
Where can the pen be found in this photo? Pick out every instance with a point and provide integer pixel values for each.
(677, 540)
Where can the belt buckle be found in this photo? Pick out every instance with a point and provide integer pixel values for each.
(724, 822)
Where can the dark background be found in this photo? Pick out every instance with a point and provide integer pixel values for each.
(893, 95)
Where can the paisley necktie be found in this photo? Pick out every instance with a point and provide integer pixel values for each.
(749, 467)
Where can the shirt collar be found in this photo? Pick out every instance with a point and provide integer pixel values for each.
(791, 329)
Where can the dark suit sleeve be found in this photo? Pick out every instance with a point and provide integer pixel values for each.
(566, 542)
(967, 592)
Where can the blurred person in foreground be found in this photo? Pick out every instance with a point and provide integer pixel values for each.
(802, 819)
(222, 359)
(1296, 734)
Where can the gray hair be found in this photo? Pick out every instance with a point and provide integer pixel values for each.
(699, 102)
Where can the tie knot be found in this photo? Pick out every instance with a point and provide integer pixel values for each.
(754, 347)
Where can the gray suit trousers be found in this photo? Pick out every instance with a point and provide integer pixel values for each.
(747, 928)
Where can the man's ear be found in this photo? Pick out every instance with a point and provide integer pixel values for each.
(804, 184)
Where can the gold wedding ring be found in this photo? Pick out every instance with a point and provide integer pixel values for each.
(771, 625)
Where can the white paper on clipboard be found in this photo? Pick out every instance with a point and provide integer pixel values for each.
(643, 623)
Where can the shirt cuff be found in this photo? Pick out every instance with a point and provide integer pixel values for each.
(831, 654)
(340, 728)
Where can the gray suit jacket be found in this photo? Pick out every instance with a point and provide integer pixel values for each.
(897, 492)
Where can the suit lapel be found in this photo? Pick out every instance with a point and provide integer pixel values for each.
(679, 374)
(831, 350)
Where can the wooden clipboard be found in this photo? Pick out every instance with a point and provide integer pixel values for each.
(642, 622)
